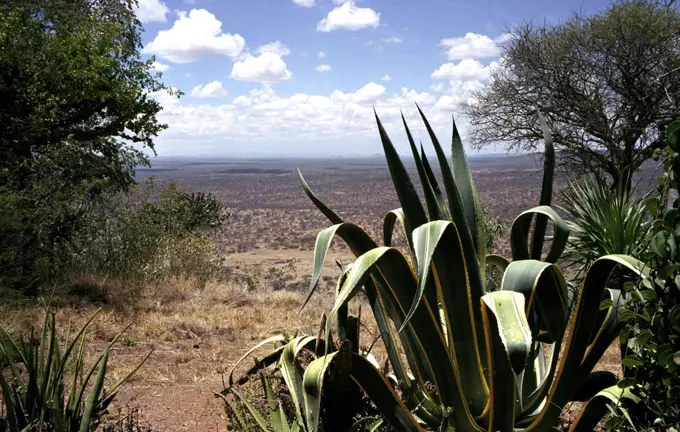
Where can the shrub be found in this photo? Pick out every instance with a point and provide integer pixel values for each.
(651, 336)
(35, 375)
(603, 222)
(156, 234)
(472, 359)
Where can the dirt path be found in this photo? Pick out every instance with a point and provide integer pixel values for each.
(177, 408)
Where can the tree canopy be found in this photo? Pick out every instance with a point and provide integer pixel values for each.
(608, 85)
(76, 116)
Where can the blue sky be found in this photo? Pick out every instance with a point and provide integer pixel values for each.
(301, 77)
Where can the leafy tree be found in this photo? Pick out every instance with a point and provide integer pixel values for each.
(608, 85)
(76, 116)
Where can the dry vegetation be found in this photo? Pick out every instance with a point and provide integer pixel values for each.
(267, 244)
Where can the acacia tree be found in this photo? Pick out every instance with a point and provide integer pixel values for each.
(75, 116)
(608, 85)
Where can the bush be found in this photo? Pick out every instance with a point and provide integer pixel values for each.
(652, 313)
(602, 222)
(155, 234)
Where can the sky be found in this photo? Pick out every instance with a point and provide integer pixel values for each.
(299, 78)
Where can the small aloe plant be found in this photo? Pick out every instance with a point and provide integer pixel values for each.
(33, 374)
(508, 360)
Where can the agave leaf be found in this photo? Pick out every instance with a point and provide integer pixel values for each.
(356, 238)
(497, 261)
(509, 344)
(443, 207)
(312, 383)
(373, 383)
(89, 412)
(423, 329)
(431, 201)
(606, 330)
(343, 312)
(330, 214)
(452, 285)
(572, 371)
(520, 234)
(387, 333)
(545, 292)
(596, 382)
(269, 340)
(388, 226)
(546, 190)
(458, 217)
(389, 222)
(292, 371)
(593, 411)
(468, 193)
(261, 363)
(408, 197)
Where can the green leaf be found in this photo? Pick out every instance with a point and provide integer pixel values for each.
(593, 411)
(433, 204)
(89, 412)
(632, 361)
(606, 304)
(406, 193)
(546, 191)
(379, 391)
(509, 337)
(593, 384)
(659, 244)
(330, 214)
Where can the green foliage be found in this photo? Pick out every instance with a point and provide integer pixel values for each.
(603, 222)
(77, 111)
(44, 386)
(461, 357)
(155, 234)
(652, 314)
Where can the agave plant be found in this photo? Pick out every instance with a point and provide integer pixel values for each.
(473, 360)
(34, 391)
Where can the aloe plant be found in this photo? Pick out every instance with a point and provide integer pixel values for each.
(35, 374)
(473, 360)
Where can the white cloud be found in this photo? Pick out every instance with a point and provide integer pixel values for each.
(275, 48)
(263, 120)
(368, 93)
(211, 90)
(266, 68)
(323, 68)
(159, 67)
(465, 70)
(348, 16)
(304, 3)
(195, 36)
(321, 54)
(392, 40)
(473, 46)
(385, 78)
(190, 1)
(151, 11)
